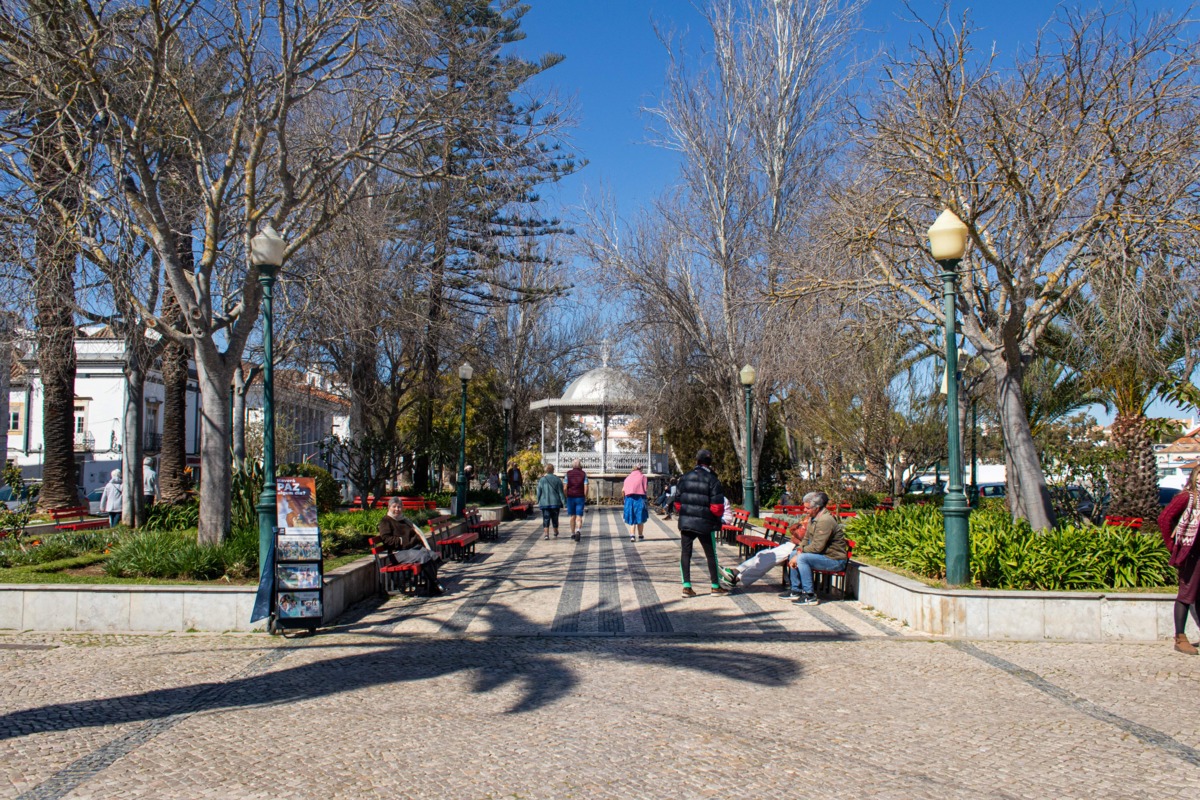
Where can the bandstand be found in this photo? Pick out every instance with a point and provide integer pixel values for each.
(603, 392)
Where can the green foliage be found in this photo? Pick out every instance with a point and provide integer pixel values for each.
(865, 500)
(348, 532)
(1008, 554)
(13, 522)
(55, 546)
(173, 516)
(247, 486)
(475, 497)
(329, 491)
(177, 554)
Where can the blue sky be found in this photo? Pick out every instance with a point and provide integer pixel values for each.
(615, 65)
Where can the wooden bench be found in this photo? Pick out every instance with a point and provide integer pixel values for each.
(1133, 523)
(828, 578)
(405, 576)
(487, 531)
(741, 518)
(76, 518)
(790, 510)
(776, 534)
(417, 504)
(516, 505)
(456, 547)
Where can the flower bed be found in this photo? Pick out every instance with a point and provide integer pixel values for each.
(1008, 554)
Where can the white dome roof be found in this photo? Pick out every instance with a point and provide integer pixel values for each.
(600, 385)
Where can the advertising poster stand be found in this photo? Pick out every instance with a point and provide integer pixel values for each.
(298, 599)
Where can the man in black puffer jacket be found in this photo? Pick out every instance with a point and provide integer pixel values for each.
(700, 502)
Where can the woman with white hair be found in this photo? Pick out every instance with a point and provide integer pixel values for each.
(110, 498)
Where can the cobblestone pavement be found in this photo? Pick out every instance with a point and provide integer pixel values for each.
(562, 670)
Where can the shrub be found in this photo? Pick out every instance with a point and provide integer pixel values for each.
(173, 516)
(55, 546)
(329, 491)
(1008, 554)
(177, 554)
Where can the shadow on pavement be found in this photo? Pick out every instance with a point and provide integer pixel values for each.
(539, 666)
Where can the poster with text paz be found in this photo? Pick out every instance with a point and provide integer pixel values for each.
(296, 505)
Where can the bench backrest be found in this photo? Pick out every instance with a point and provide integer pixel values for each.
(68, 513)
(1134, 523)
(741, 516)
(790, 510)
(776, 528)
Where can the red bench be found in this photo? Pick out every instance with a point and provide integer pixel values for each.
(372, 501)
(741, 518)
(827, 578)
(516, 505)
(1133, 523)
(488, 531)
(458, 546)
(405, 576)
(417, 504)
(76, 518)
(790, 511)
(777, 532)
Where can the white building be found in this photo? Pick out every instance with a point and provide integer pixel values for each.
(100, 391)
(1175, 460)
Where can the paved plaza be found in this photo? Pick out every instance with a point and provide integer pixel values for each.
(561, 670)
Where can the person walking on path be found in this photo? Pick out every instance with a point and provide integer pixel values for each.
(110, 498)
(407, 545)
(636, 514)
(824, 547)
(1179, 523)
(550, 498)
(516, 481)
(699, 504)
(577, 481)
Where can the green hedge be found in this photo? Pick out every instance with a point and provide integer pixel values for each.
(1008, 554)
(55, 546)
(177, 554)
(347, 532)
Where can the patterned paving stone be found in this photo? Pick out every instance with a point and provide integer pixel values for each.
(562, 670)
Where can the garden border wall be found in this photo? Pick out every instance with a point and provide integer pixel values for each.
(1015, 615)
(160, 608)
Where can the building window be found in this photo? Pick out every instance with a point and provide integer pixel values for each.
(16, 414)
(80, 425)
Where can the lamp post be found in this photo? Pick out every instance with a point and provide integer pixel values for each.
(948, 242)
(508, 407)
(747, 376)
(464, 374)
(266, 255)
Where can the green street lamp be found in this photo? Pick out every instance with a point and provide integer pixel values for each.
(266, 255)
(747, 376)
(464, 374)
(947, 243)
(508, 407)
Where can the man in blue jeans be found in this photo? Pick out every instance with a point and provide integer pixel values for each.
(823, 547)
(576, 483)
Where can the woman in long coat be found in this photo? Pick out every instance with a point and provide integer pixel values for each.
(1179, 523)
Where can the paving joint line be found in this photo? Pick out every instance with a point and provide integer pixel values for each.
(608, 612)
(465, 614)
(1143, 733)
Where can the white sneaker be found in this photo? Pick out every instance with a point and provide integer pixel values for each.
(633, 538)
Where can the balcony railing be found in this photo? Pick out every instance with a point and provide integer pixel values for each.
(616, 462)
(85, 442)
(152, 442)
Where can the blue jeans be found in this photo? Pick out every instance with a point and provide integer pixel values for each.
(802, 573)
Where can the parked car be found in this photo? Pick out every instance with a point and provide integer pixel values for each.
(11, 502)
(991, 489)
(1166, 494)
(93, 501)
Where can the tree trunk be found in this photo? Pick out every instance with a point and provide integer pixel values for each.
(172, 457)
(1030, 499)
(216, 504)
(6, 359)
(1134, 479)
(240, 386)
(56, 250)
(133, 511)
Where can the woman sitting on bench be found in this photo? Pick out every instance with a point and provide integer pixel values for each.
(407, 545)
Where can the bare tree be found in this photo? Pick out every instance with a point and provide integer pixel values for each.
(1087, 138)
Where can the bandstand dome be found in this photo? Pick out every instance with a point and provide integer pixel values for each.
(602, 387)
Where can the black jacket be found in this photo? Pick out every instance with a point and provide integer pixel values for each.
(699, 492)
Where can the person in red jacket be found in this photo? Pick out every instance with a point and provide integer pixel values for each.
(1179, 524)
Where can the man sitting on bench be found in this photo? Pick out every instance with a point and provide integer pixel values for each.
(407, 545)
(764, 560)
(823, 548)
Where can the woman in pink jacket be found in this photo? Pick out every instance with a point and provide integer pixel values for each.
(1179, 523)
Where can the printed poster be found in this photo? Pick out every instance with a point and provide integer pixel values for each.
(296, 506)
(298, 576)
(298, 605)
(297, 548)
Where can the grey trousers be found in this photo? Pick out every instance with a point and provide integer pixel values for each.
(763, 562)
